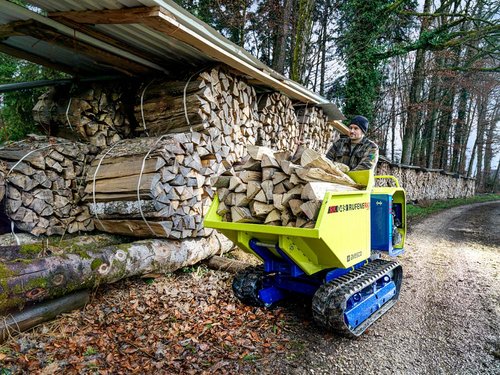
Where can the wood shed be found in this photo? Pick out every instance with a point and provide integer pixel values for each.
(157, 105)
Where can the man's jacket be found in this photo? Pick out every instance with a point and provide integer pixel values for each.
(363, 155)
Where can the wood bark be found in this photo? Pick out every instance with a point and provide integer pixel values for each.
(219, 263)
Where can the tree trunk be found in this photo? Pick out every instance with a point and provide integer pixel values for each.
(460, 129)
(495, 179)
(430, 124)
(444, 127)
(302, 34)
(481, 125)
(488, 147)
(39, 279)
(415, 96)
(471, 113)
(323, 46)
(283, 32)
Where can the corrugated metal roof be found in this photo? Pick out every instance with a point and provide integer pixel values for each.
(175, 39)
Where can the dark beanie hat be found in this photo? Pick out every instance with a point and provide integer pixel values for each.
(362, 122)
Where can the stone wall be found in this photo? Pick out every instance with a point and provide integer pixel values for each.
(421, 183)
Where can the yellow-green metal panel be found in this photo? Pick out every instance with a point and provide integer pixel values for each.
(344, 225)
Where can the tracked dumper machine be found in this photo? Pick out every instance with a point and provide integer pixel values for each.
(337, 262)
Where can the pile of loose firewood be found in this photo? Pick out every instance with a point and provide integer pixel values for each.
(280, 130)
(153, 187)
(315, 130)
(44, 184)
(269, 187)
(94, 113)
(216, 102)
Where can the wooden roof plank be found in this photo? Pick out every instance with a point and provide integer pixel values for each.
(52, 36)
(109, 16)
(21, 54)
(108, 39)
(163, 21)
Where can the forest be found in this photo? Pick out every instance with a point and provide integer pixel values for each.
(425, 73)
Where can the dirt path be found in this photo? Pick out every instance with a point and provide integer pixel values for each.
(446, 322)
(448, 318)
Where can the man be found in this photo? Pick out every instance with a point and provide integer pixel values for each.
(356, 150)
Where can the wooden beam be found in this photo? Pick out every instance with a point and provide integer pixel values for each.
(52, 36)
(110, 16)
(90, 31)
(7, 30)
(20, 54)
(339, 126)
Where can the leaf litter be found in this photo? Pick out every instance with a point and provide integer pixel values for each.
(182, 323)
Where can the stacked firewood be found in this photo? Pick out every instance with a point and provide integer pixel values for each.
(268, 187)
(153, 187)
(215, 102)
(279, 129)
(315, 130)
(44, 184)
(94, 113)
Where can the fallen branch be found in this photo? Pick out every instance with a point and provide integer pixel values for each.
(31, 317)
(219, 263)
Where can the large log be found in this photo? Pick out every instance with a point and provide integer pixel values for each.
(39, 279)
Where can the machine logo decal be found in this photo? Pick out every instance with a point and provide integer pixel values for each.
(354, 256)
(349, 207)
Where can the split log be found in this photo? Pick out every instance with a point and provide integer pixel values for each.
(40, 279)
(316, 190)
(216, 102)
(278, 118)
(315, 129)
(311, 158)
(164, 189)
